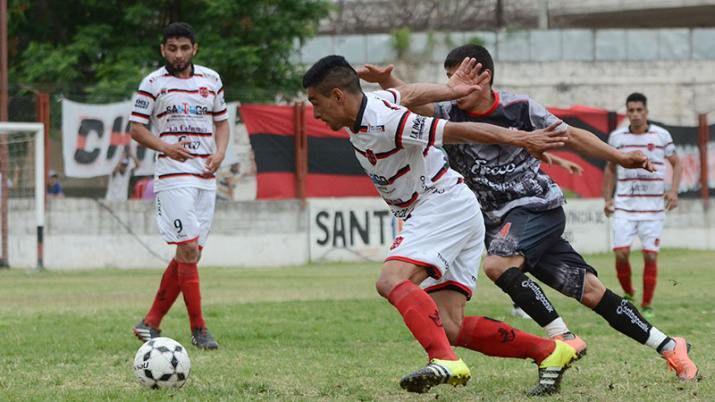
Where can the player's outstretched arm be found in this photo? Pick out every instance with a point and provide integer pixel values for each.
(383, 76)
(463, 82)
(572, 167)
(536, 142)
(380, 75)
(586, 143)
(609, 185)
(419, 97)
(143, 136)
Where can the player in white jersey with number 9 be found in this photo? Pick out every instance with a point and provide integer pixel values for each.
(640, 200)
(184, 103)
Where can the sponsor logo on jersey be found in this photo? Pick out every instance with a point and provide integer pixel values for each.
(418, 126)
(651, 146)
(396, 243)
(186, 108)
(203, 91)
(372, 129)
(379, 180)
(141, 103)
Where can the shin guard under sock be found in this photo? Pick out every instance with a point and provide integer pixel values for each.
(527, 295)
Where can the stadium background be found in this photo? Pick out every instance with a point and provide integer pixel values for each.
(581, 61)
(319, 331)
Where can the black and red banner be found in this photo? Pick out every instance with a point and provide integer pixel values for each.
(333, 170)
(598, 121)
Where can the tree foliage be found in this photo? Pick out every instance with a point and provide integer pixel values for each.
(100, 49)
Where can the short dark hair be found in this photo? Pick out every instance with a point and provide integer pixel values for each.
(332, 72)
(179, 30)
(637, 97)
(480, 53)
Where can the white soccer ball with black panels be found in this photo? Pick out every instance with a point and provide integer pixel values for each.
(162, 363)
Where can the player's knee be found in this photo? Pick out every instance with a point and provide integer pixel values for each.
(494, 266)
(622, 254)
(188, 252)
(650, 256)
(386, 282)
(395, 272)
(593, 290)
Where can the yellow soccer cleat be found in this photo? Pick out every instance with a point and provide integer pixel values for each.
(552, 369)
(437, 372)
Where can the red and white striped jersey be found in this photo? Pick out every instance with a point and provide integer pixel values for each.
(639, 193)
(182, 109)
(400, 152)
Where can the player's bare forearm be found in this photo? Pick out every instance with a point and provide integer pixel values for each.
(143, 136)
(221, 136)
(571, 167)
(677, 171)
(482, 133)
(392, 82)
(609, 180)
(536, 142)
(418, 94)
(588, 144)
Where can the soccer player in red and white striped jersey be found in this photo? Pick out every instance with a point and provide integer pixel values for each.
(185, 105)
(431, 268)
(640, 200)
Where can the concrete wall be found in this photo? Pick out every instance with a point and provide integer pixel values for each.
(675, 68)
(82, 234)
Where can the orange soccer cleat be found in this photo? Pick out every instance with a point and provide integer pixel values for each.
(574, 341)
(679, 360)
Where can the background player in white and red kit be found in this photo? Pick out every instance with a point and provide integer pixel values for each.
(185, 105)
(431, 268)
(640, 200)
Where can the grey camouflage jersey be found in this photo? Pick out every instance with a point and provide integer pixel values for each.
(503, 177)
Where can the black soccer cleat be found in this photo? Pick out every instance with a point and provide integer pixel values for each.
(202, 339)
(145, 332)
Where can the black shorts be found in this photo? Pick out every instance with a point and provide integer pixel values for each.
(536, 235)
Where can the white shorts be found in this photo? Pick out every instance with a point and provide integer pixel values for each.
(625, 230)
(444, 234)
(185, 214)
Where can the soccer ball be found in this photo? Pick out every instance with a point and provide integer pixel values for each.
(162, 363)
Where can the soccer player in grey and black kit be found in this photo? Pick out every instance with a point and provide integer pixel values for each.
(523, 213)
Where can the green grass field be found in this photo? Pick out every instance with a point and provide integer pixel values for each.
(321, 332)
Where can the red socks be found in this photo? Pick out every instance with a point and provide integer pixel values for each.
(165, 296)
(189, 283)
(421, 316)
(623, 271)
(650, 278)
(496, 338)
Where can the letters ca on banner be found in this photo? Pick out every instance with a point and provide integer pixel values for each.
(95, 136)
(350, 229)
